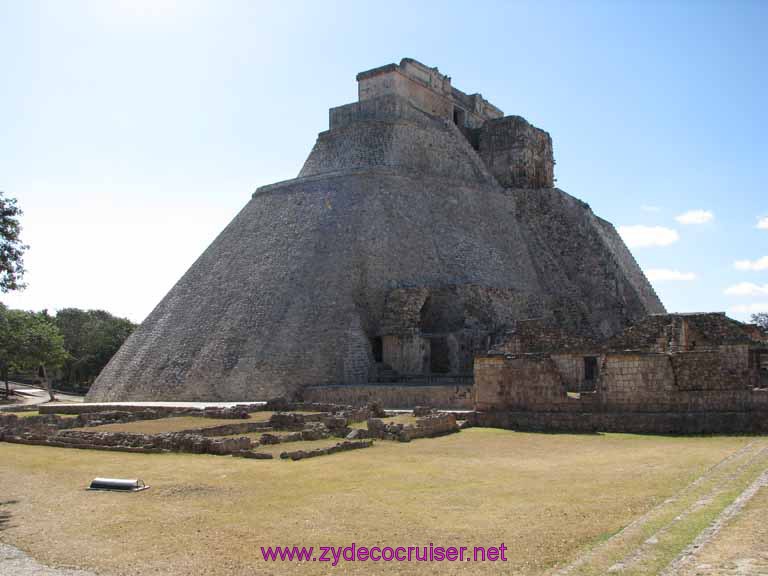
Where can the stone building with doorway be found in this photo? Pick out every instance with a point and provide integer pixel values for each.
(676, 373)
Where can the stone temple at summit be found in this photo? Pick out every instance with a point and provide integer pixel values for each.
(423, 226)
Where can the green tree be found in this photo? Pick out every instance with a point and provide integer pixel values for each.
(11, 247)
(91, 338)
(761, 319)
(30, 341)
(42, 347)
(12, 324)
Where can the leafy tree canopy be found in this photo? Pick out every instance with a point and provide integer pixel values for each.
(91, 338)
(73, 346)
(41, 343)
(761, 319)
(29, 341)
(11, 247)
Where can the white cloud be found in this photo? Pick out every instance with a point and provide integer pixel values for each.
(649, 208)
(755, 265)
(747, 289)
(753, 308)
(695, 217)
(762, 223)
(666, 275)
(640, 236)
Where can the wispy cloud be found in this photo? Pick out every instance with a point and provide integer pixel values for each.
(640, 236)
(747, 289)
(667, 275)
(762, 223)
(695, 217)
(649, 208)
(755, 265)
(753, 308)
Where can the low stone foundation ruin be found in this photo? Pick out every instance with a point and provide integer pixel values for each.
(437, 424)
(340, 447)
(444, 397)
(625, 422)
(281, 428)
(167, 442)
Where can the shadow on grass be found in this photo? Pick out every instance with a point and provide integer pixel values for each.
(5, 514)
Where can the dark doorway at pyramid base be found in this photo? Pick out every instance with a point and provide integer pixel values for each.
(440, 356)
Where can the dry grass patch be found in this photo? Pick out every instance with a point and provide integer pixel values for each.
(30, 413)
(174, 424)
(547, 497)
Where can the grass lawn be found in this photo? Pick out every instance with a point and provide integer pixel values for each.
(30, 413)
(547, 497)
(174, 424)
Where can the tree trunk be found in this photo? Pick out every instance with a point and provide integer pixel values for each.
(47, 383)
(5, 377)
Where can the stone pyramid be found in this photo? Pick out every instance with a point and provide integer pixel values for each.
(422, 226)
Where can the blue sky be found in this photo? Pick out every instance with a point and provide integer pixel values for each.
(133, 131)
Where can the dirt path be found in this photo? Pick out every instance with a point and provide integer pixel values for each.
(28, 395)
(14, 562)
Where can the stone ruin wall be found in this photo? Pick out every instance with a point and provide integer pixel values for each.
(685, 373)
(636, 395)
(755, 422)
(454, 397)
(723, 380)
(681, 332)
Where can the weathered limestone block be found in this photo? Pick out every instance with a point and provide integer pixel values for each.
(287, 421)
(253, 455)
(267, 439)
(315, 431)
